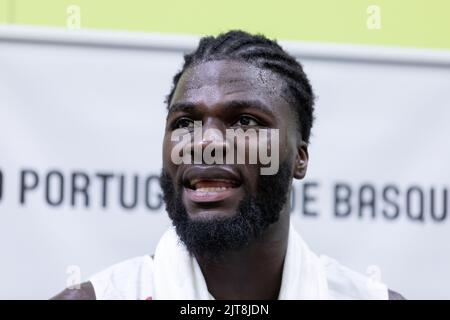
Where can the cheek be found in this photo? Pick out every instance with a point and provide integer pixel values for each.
(287, 144)
(279, 144)
(167, 148)
(251, 177)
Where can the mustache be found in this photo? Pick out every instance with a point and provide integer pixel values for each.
(211, 238)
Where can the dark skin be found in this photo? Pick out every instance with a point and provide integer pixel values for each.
(209, 92)
(230, 94)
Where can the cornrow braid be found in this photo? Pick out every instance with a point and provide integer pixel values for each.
(263, 53)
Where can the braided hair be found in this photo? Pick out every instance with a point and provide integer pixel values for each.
(263, 53)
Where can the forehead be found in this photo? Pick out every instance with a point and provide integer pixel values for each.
(214, 82)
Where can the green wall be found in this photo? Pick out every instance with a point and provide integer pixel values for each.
(410, 23)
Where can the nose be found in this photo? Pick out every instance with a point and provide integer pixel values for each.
(209, 143)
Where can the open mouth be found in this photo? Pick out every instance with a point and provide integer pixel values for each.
(215, 185)
(210, 184)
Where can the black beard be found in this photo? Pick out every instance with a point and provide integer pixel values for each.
(210, 238)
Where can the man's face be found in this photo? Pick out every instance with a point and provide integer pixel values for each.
(225, 95)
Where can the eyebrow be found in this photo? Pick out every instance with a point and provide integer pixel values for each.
(233, 105)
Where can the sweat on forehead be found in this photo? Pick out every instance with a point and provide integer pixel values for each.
(230, 77)
(268, 58)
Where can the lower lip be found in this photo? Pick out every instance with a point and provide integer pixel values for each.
(212, 196)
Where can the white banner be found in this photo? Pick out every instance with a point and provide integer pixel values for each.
(81, 123)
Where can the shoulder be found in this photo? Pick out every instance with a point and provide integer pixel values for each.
(84, 291)
(395, 295)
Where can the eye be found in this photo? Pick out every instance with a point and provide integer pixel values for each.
(184, 123)
(246, 120)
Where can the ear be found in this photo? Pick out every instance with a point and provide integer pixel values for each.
(301, 161)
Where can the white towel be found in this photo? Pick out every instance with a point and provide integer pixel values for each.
(175, 274)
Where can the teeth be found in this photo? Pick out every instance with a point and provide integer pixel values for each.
(194, 181)
(217, 189)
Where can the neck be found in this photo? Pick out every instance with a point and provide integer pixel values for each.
(254, 272)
